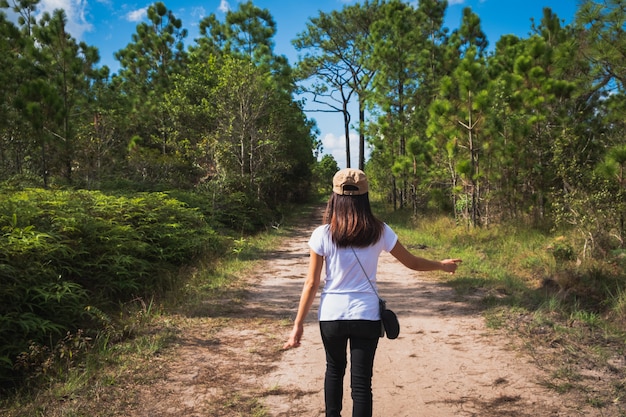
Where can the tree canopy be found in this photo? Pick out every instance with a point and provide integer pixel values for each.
(489, 129)
(219, 114)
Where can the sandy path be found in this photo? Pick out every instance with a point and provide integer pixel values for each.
(444, 363)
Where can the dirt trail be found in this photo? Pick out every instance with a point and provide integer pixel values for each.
(445, 362)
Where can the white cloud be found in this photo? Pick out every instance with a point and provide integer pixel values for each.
(198, 13)
(224, 6)
(455, 2)
(75, 11)
(336, 146)
(137, 15)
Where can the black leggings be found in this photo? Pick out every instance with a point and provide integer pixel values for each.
(363, 336)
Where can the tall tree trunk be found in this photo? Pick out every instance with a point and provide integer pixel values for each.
(346, 127)
(361, 134)
(44, 162)
(474, 163)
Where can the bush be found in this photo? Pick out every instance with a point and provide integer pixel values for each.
(61, 251)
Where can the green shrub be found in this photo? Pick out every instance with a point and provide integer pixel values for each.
(562, 250)
(61, 251)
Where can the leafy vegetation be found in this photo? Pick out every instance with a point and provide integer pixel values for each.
(70, 255)
(215, 124)
(94, 368)
(218, 116)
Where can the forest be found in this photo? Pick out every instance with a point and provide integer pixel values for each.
(103, 174)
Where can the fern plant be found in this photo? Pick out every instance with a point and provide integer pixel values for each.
(61, 251)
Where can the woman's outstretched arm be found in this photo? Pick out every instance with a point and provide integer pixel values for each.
(416, 263)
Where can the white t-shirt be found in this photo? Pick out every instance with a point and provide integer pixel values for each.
(346, 294)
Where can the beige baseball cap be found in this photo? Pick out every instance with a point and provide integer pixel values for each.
(355, 179)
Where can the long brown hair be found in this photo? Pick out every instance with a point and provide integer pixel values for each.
(351, 220)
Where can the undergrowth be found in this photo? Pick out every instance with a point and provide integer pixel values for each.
(96, 374)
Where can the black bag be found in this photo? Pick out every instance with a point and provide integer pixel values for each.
(390, 324)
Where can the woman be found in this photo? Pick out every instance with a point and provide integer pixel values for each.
(350, 242)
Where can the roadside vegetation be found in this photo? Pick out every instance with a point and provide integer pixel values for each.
(567, 313)
(142, 269)
(564, 309)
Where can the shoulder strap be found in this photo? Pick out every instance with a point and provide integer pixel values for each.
(366, 276)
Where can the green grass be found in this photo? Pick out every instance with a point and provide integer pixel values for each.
(523, 267)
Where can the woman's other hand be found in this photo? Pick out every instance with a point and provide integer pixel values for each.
(450, 265)
(295, 337)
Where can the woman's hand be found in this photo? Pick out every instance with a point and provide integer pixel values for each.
(295, 337)
(450, 265)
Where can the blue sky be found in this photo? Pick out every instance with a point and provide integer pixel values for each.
(109, 24)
